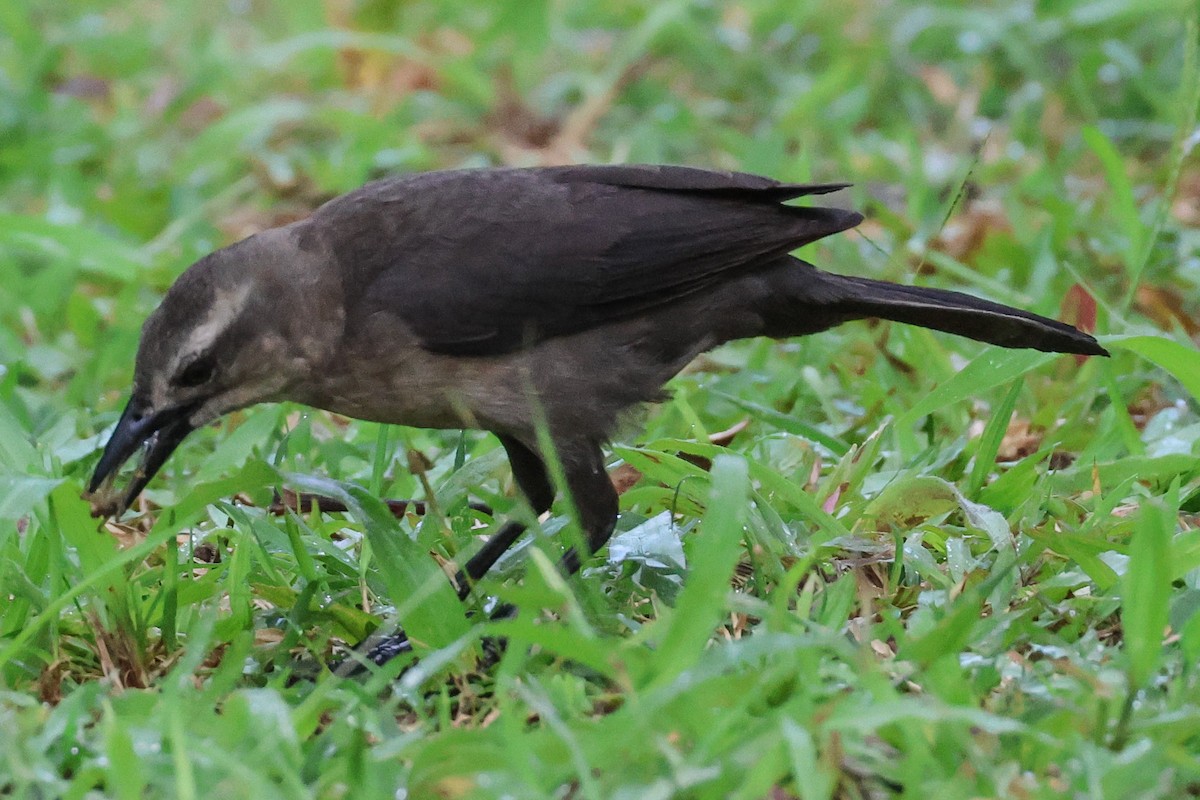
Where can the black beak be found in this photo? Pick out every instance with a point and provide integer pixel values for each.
(158, 435)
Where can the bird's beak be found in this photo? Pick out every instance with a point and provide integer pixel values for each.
(157, 433)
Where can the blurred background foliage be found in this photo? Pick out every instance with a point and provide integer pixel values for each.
(1041, 153)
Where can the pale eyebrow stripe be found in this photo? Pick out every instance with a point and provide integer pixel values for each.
(227, 306)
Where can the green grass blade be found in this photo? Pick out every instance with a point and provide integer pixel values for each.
(989, 442)
(1180, 360)
(712, 560)
(424, 599)
(991, 368)
(1146, 588)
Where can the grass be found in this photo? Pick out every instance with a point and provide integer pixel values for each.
(920, 567)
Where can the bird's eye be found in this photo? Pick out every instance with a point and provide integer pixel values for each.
(198, 372)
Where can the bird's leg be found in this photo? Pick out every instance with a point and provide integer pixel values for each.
(591, 489)
(595, 500)
(530, 474)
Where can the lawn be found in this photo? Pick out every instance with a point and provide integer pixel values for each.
(876, 562)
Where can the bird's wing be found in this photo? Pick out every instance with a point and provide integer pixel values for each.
(483, 262)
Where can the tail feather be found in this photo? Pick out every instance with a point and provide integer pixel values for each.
(961, 314)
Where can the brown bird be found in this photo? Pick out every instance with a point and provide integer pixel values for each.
(505, 299)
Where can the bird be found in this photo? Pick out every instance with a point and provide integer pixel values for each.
(512, 300)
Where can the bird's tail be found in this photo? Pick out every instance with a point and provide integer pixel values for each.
(958, 313)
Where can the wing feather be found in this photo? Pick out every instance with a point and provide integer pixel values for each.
(483, 262)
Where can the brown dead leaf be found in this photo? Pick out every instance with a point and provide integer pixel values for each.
(410, 76)
(86, 87)
(1146, 404)
(387, 78)
(1079, 309)
(723, 438)
(418, 462)
(882, 649)
(119, 656)
(247, 221)
(165, 92)
(894, 361)
(814, 475)
(524, 136)
(963, 100)
(1019, 441)
(966, 232)
(872, 230)
(940, 84)
(1186, 206)
(206, 553)
(127, 535)
(516, 122)
(268, 636)
(454, 787)
(200, 114)
(49, 682)
(1060, 459)
(624, 477)
(1166, 308)
(1055, 126)
(830, 504)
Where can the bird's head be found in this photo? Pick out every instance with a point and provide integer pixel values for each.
(241, 326)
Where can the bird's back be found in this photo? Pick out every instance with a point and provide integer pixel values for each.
(480, 262)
